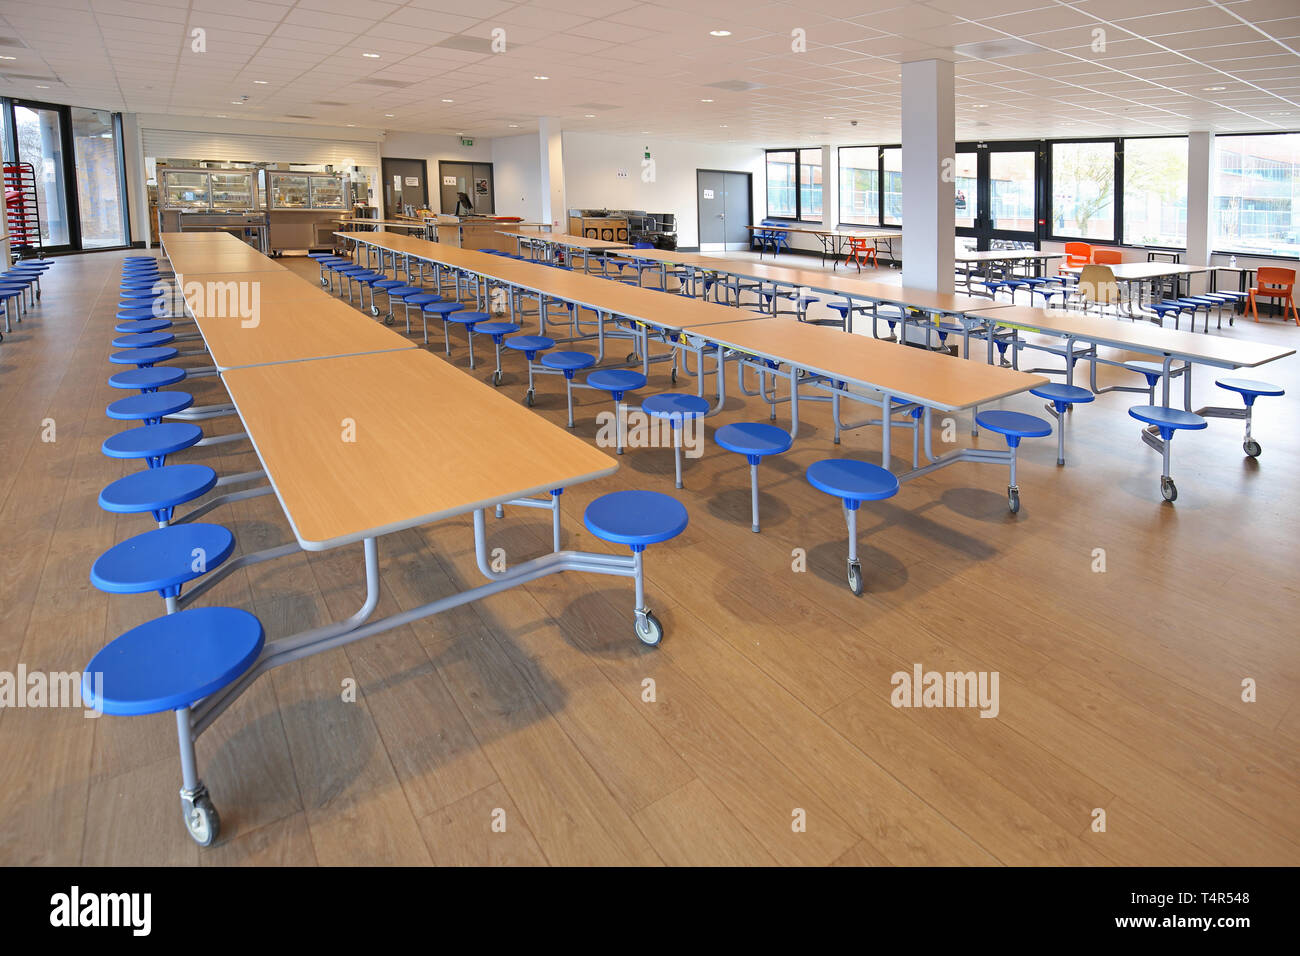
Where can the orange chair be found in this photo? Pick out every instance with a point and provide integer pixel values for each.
(1107, 257)
(1274, 283)
(857, 248)
(1077, 255)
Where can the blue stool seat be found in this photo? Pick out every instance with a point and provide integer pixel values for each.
(1249, 389)
(567, 362)
(400, 290)
(162, 559)
(422, 298)
(1167, 419)
(367, 276)
(153, 442)
(467, 317)
(1061, 394)
(1152, 370)
(174, 661)
(149, 406)
(614, 380)
(496, 329)
(143, 357)
(389, 284)
(442, 308)
(158, 490)
(530, 343)
(137, 312)
(852, 480)
(140, 302)
(753, 439)
(142, 325)
(143, 340)
(635, 518)
(1013, 425)
(675, 406)
(148, 379)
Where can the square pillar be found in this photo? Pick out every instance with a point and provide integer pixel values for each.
(550, 145)
(1200, 183)
(929, 191)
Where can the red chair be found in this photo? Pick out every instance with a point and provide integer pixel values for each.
(858, 248)
(1077, 255)
(1107, 257)
(1274, 283)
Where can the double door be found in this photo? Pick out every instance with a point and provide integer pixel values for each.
(725, 202)
(997, 192)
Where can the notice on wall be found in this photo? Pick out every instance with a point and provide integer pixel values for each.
(621, 173)
(449, 180)
(480, 187)
(708, 194)
(412, 180)
(397, 183)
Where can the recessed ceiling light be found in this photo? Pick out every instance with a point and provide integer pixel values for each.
(706, 101)
(719, 33)
(828, 117)
(352, 124)
(445, 100)
(41, 86)
(236, 102)
(371, 56)
(8, 57)
(540, 77)
(221, 116)
(589, 115)
(1214, 89)
(722, 126)
(979, 106)
(389, 115)
(513, 125)
(261, 82)
(645, 132)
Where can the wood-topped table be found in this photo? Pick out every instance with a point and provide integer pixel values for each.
(835, 241)
(395, 465)
(549, 240)
(188, 259)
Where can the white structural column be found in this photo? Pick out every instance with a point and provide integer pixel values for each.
(929, 142)
(830, 187)
(551, 165)
(1200, 179)
(136, 185)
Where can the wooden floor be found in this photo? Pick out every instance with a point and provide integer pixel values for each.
(1118, 690)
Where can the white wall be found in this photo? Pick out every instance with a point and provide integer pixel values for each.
(592, 162)
(516, 173)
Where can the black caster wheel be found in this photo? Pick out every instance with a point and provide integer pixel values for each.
(374, 310)
(530, 399)
(1013, 500)
(648, 629)
(855, 578)
(496, 377)
(631, 358)
(388, 319)
(673, 376)
(202, 821)
(1251, 448)
(1168, 490)
(324, 283)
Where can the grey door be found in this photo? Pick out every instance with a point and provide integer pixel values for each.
(405, 184)
(475, 180)
(737, 200)
(711, 199)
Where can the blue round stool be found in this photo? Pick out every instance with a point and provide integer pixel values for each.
(149, 407)
(754, 440)
(1165, 421)
(853, 482)
(637, 519)
(1062, 398)
(420, 300)
(157, 490)
(441, 309)
(143, 358)
(498, 331)
(677, 409)
(618, 382)
(468, 319)
(162, 560)
(567, 364)
(530, 345)
(141, 325)
(171, 663)
(1249, 390)
(1153, 372)
(400, 291)
(148, 379)
(153, 443)
(143, 340)
(1013, 426)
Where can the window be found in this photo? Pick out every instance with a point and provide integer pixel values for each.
(781, 195)
(860, 185)
(1256, 193)
(1083, 190)
(794, 184)
(891, 163)
(1155, 192)
(95, 144)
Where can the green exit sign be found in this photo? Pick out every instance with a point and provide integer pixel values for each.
(466, 141)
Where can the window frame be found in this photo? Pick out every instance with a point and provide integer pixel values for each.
(1117, 191)
(798, 186)
(880, 186)
(1214, 251)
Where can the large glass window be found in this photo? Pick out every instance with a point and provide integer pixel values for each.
(860, 185)
(1155, 192)
(892, 169)
(781, 194)
(99, 178)
(966, 180)
(39, 134)
(794, 184)
(1083, 190)
(1256, 193)
(1011, 190)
